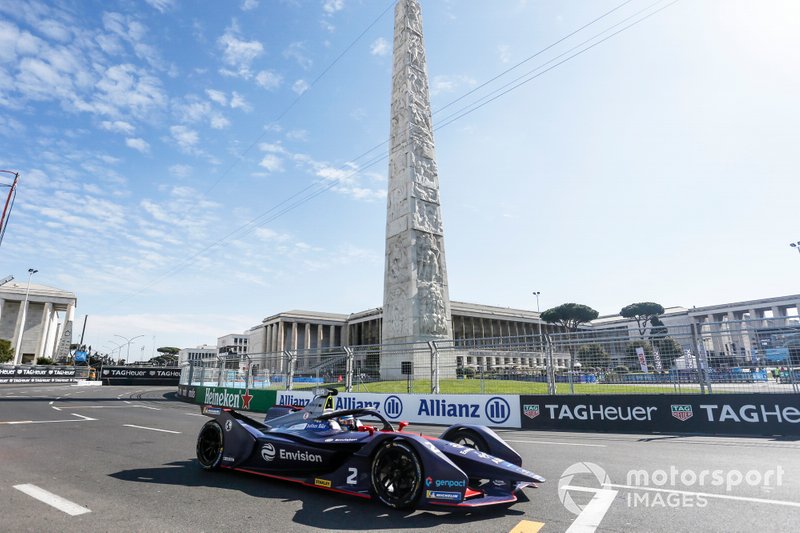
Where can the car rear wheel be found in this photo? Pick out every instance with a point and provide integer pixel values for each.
(469, 438)
(209, 445)
(397, 475)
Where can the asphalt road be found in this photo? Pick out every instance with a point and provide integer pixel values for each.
(123, 457)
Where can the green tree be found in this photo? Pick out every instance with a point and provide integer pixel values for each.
(642, 312)
(668, 350)
(168, 350)
(594, 355)
(570, 316)
(6, 353)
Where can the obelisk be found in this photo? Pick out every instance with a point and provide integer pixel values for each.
(416, 304)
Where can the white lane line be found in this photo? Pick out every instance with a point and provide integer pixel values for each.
(151, 429)
(125, 401)
(81, 416)
(709, 495)
(53, 500)
(591, 515)
(558, 443)
(193, 414)
(18, 422)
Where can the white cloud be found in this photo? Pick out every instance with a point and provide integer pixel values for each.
(267, 234)
(272, 148)
(248, 5)
(504, 51)
(125, 89)
(186, 138)
(219, 122)
(379, 47)
(180, 171)
(138, 144)
(297, 51)
(332, 6)
(269, 80)
(449, 84)
(297, 135)
(238, 102)
(117, 126)
(239, 53)
(272, 163)
(217, 96)
(161, 5)
(300, 86)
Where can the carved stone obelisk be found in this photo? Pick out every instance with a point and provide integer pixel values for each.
(416, 304)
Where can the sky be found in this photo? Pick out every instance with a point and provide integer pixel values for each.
(188, 168)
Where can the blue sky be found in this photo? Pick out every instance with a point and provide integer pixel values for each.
(161, 144)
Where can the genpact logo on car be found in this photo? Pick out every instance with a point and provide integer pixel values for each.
(451, 483)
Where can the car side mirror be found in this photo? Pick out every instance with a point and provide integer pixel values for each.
(402, 425)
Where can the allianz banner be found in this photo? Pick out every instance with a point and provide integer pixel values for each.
(732, 414)
(140, 375)
(446, 409)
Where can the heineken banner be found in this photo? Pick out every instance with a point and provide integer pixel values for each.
(240, 399)
(732, 414)
(140, 375)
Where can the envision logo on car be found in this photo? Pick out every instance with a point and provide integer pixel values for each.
(268, 452)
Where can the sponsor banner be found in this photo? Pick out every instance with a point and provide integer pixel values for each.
(187, 392)
(140, 375)
(732, 414)
(239, 399)
(446, 409)
(36, 374)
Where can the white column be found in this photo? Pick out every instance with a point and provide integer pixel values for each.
(46, 312)
(776, 316)
(3, 302)
(293, 341)
(19, 330)
(307, 336)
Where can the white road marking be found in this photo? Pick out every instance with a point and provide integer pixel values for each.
(18, 422)
(558, 443)
(151, 429)
(591, 516)
(709, 495)
(53, 500)
(193, 414)
(125, 401)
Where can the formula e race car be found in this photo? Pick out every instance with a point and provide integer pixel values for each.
(358, 452)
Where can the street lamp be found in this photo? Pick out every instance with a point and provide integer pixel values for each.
(18, 347)
(128, 342)
(795, 245)
(117, 348)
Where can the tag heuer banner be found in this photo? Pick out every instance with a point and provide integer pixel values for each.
(140, 375)
(732, 414)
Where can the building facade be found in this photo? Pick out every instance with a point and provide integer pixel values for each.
(48, 311)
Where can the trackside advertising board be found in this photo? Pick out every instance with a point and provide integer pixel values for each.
(239, 399)
(445, 409)
(732, 414)
(36, 374)
(139, 375)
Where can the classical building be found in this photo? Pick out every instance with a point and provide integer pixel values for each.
(232, 343)
(202, 353)
(48, 310)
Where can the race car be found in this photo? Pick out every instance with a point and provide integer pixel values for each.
(358, 452)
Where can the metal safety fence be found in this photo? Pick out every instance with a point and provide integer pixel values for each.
(722, 357)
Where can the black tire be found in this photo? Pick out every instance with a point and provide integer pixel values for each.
(397, 475)
(469, 438)
(210, 445)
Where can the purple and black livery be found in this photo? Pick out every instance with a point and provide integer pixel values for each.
(467, 466)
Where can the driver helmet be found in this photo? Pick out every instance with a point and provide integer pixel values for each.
(347, 422)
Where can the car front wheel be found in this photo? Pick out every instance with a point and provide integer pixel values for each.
(397, 475)
(209, 445)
